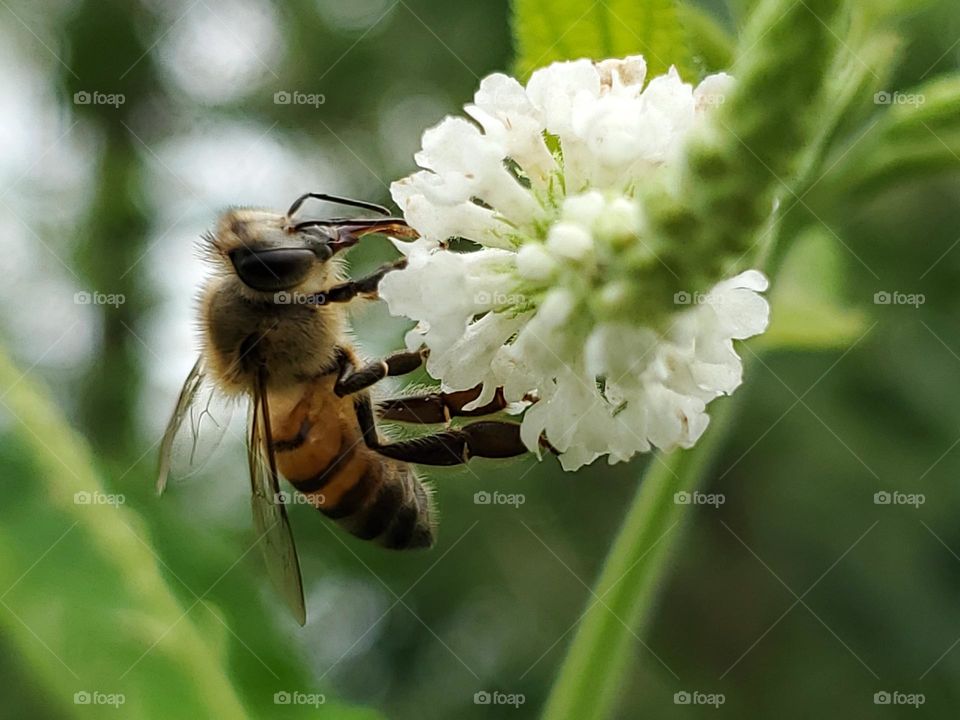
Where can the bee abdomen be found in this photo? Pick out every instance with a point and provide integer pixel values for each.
(398, 516)
(388, 505)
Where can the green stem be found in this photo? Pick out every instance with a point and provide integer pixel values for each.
(587, 686)
(113, 624)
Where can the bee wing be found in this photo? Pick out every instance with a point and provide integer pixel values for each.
(269, 513)
(187, 446)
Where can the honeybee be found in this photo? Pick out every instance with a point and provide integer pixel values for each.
(275, 331)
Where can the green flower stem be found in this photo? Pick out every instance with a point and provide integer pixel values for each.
(590, 678)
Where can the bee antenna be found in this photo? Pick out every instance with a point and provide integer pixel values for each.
(336, 199)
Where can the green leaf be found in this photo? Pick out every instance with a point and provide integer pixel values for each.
(807, 310)
(85, 605)
(550, 30)
(711, 45)
(918, 134)
(86, 596)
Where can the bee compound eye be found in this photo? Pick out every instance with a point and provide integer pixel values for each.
(274, 269)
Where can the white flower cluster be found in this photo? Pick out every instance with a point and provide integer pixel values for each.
(545, 181)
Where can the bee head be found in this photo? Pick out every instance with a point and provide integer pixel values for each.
(267, 253)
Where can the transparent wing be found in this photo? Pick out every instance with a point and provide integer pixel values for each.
(269, 514)
(197, 426)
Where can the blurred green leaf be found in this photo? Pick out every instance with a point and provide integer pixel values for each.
(852, 80)
(807, 310)
(85, 600)
(94, 585)
(550, 30)
(918, 134)
(711, 45)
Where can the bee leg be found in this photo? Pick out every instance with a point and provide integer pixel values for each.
(345, 292)
(486, 438)
(354, 380)
(438, 407)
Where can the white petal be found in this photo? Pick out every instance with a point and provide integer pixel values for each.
(470, 164)
(675, 420)
(535, 263)
(739, 313)
(619, 351)
(570, 241)
(438, 220)
(555, 89)
(629, 72)
(750, 280)
(506, 114)
(556, 308)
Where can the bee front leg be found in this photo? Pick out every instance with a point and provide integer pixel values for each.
(438, 407)
(345, 292)
(353, 380)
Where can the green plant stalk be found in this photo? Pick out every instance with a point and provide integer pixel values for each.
(124, 609)
(587, 686)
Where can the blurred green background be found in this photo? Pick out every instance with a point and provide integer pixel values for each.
(798, 597)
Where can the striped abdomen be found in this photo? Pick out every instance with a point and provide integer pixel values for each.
(320, 451)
